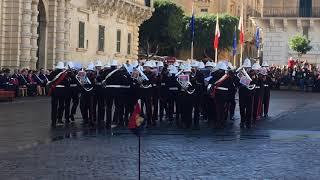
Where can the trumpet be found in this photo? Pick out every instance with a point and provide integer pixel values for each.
(186, 85)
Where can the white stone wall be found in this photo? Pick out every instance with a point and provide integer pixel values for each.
(276, 35)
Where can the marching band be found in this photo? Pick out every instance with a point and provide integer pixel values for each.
(179, 93)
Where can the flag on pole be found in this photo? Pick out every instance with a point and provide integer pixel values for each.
(257, 37)
(136, 121)
(241, 28)
(217, 34)
(192, 24)
(235, 42)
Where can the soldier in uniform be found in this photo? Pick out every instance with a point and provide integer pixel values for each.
(162, 89)
(197, 81)
(148, 90)
(257, 99)
(246, 93)
(73, 93)
(185, 96)
(233, 91)
(109, 91)
(221, 85)
(208, 102)
(87, 96)
(156, 89)
(172, 88)
(267, 85)
(59, 83)
(117, 84)
(100, 96)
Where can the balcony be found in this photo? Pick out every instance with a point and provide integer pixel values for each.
(287, 12)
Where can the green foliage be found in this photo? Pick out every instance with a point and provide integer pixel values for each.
(163, 29)
(300, 44)
(169, 30)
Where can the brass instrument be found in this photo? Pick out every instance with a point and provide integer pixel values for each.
(141, 77)
(243, 73)
(83, 79)
(186, 85)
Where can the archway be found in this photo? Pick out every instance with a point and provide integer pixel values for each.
(42, 36)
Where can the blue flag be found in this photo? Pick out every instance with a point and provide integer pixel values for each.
(235, 43)
(257, 37)
(192, 26)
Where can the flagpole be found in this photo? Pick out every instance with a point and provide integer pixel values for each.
(192, 21)
(139, 157)
(191, 49)
(241, 45)
(241, 54)
(234, 52)
(216, 56)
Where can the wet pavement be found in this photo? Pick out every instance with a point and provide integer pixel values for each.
(285, 146)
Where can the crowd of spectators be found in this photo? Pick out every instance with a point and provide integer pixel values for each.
(34, 81)
(299, 76)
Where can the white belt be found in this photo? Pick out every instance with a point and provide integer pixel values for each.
(60, 86)
(257, 87)
(266, 85)
(117, 86)
(173, 89)
(223, 88)
(163, 84)
(73, 85)
(146, 87)
(154, 84)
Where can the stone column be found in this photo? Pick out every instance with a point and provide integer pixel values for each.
(34, 31)
(60, 31)
(26, 34)
(135, 40)
(67, 26)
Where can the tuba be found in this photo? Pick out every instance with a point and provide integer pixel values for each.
(83, 80)
(141, 78)
(186, 85)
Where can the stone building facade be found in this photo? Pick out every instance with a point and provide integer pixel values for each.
(282, 19)
(38, 33)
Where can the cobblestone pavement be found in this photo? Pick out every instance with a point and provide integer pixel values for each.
(286, 146)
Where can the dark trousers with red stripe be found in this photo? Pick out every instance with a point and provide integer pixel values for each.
(221, 106)
(256, 100)
(58, 100)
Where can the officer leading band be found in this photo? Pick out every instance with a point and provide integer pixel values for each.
(181, 93)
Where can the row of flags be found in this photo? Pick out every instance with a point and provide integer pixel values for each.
(218, 33)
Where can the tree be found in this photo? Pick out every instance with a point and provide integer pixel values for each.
(300, 44)
(163, 31)
(205, 30)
